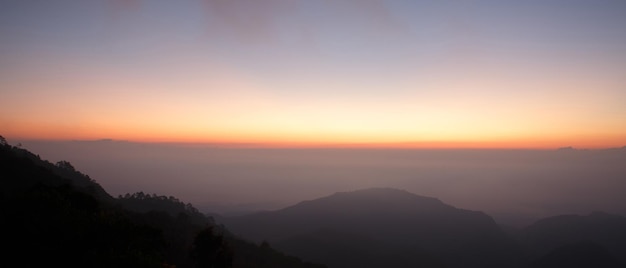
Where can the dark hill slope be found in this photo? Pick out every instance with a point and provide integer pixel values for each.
(26, 169)
(53, 215)
(603, 229)
(406, 224)
(583, 254)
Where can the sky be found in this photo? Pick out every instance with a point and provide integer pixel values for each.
(488, 74)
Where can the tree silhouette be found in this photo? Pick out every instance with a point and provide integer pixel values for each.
(65, 165)
(210, 250)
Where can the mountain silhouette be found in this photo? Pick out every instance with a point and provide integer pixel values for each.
(401, 223)
(53, 215)
(23, 169)
(605, 230)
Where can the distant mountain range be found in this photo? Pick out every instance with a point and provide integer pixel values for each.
(385, 225)
(382, 226)
(53, 214)
(602, 230)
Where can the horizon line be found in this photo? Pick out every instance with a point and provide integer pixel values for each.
(424, 145)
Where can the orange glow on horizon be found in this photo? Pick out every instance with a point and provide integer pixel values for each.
(468, 112)
(240, 140)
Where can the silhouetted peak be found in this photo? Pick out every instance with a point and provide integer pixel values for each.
(373, 201)
(382, 193)
(404, 221)
(372, 198)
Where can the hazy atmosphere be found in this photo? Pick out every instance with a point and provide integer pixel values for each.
(515, 186)
(312, 134)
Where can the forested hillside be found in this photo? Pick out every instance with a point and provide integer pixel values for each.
(53, 215)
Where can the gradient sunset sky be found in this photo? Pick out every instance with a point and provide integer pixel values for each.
(497, 73)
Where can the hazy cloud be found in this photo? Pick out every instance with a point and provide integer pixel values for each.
(258, 21)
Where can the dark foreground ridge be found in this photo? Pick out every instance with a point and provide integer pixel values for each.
(53, 215)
